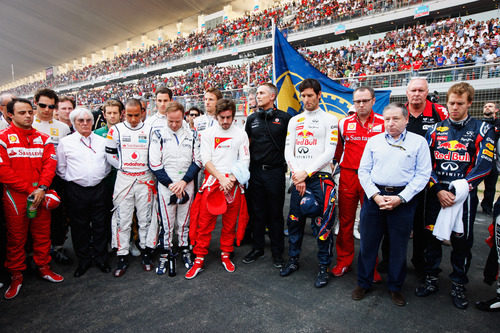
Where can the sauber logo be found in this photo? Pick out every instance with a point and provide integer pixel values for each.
(218, 141)
(13, 138)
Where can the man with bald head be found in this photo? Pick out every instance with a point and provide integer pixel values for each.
(4, 120)
(422, 115)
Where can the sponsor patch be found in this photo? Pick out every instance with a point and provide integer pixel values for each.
(488, 153)
(301, 119)
(377, 128)
(13, 138)
(441, 138)
(490, 146)
(218, 141)
(299, 128)
(54, 131)
(351, 127)
(442, 129)
(39, 141)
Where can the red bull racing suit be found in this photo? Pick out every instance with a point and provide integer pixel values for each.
(459, 150)
(310, 146)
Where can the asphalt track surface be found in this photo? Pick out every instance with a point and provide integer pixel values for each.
(252, 299)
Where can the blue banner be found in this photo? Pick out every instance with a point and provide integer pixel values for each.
(291, 69)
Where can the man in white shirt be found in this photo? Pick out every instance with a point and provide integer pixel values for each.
(46, 101)
(127, 150)
(159, 119)
(81, 162)
(212, 95)
(226, 158)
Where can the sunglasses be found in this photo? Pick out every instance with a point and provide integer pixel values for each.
(43, 106)
(194, 114)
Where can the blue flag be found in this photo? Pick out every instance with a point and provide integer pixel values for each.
(290, 69)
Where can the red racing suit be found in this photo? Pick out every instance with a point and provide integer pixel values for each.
(224, 148)
(351, 143)
(27, 160)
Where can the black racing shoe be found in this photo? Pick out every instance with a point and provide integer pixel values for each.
(187, 258)
(322, 277)
(278, 261)
(146, 262)
(122, 266)
(458, 296)
(252, 256)
(430, 286)
(492, 305)
(291, 266)
(60, 257)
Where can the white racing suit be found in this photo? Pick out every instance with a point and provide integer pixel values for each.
(174, 156)
(127, 151)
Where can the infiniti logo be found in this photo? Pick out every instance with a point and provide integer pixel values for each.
(449, 166)
(303, 150)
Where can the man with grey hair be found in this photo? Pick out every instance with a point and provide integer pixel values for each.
(4, 99)
(395, 166)
(266, 130)
(81, 162)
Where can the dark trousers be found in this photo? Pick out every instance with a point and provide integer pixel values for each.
(490, 183)
(266, 196)
(58, 221)
(89, 227)
(296, 223)
(419, 239)
(373, 224)
(461, 244)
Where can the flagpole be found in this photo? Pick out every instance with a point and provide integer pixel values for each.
(273, 55)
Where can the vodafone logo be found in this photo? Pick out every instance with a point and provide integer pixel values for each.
(134, 156)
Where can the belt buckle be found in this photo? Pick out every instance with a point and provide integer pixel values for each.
(389, 188)
(265, 167)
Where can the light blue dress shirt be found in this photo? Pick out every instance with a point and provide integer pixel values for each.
(389, 162)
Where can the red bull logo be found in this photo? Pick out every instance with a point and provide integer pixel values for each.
(293, 218)
(453, 145)
(306, 138)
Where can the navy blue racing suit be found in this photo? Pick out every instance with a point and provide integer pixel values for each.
(459, 150)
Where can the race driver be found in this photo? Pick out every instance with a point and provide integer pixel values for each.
(462, 148)
(127, 151)
(309, 150)
(173, 160)
(27, 166)
(226, 158)
(354, 132)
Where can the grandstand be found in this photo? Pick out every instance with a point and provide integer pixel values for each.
(382, 44)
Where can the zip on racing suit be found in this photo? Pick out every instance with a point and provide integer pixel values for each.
(127, 151)
(310, 146)
(459, 150)
(27, 160)
(172, 158)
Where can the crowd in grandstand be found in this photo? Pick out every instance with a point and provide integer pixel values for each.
(246, 29)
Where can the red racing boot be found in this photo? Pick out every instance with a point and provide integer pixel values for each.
(47, 274)
(15, 285)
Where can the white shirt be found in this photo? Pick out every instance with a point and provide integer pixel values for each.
(55, 128)
(82, 160)
(224, 147)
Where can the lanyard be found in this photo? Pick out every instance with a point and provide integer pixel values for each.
(89, 146)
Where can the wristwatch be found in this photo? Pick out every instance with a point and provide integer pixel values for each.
(403, 201)
(43, 187)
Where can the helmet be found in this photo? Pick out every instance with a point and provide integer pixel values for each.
(51, 200)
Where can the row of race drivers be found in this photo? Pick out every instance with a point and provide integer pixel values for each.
(152, 167)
